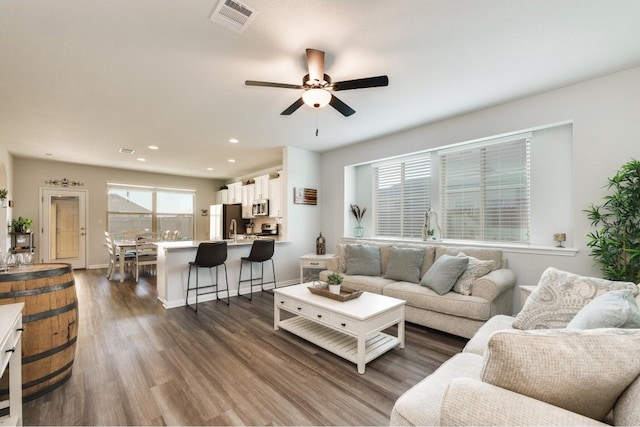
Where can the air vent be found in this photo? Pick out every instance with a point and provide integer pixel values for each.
(233, 15)
(127, 150)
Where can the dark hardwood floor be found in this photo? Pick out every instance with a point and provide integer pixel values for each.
(139, 364)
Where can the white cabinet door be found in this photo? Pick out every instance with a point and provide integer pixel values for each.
(262, 187)
(275, 198)
(235, 193)
(222, 197)
(247, 200)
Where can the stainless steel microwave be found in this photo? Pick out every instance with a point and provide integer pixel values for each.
(260, 208)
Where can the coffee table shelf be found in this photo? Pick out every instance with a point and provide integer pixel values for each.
(338, 342)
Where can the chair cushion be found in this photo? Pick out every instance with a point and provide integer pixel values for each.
(363, 260)
(444, 273)
(615, 309)
(560, 295)
(583, 371)
(404, 264)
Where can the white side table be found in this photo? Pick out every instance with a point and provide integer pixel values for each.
(11, 356)
(311, 265)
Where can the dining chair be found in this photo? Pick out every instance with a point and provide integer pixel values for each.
(208, 255)
(146, 254)
(261, 251)
(115, 257)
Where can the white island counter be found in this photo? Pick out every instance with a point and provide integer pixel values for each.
(173, 269)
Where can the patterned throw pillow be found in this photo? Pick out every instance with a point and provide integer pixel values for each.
(475, 270)
(560, 295)
(583, 371)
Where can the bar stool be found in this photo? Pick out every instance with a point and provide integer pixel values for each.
(261, 251)
(208, 255)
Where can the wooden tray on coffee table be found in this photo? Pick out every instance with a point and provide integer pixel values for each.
(345, 293)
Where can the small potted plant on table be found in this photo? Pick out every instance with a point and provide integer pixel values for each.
(334, 280)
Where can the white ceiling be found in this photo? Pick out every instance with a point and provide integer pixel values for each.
(81, 78)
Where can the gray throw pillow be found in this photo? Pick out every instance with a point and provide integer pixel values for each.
(615, 309)
(444, 273)
(404, 264)
(363, 260)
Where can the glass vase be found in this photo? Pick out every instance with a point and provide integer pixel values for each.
(359, 231)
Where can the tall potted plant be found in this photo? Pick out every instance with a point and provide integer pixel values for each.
(616, 241)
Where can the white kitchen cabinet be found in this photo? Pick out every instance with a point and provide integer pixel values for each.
(222, 197)
(262, 187)
(248, 196)
(275, 198)
(235, 193)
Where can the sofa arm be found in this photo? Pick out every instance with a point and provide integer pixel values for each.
(471, 402)
(332, 264)
(494, 284)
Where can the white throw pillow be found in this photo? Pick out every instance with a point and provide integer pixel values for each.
(615, 309)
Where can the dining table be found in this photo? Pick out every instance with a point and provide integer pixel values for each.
(122, 246)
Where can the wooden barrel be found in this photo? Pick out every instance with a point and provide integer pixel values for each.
(50, 322)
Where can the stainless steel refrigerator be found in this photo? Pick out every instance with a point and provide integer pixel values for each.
(220, 217)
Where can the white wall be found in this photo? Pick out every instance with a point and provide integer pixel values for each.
(606, 132)
(6, 181)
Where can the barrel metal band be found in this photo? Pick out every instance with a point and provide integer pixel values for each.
(49, 352)
(48, 376)
(17, 275)
(45, 314)
(37, 291)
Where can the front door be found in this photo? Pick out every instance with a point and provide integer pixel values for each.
(63, 233)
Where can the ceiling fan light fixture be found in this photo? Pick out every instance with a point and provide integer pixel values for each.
(316, 98)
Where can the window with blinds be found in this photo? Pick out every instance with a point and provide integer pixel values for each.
(484, 191)
(402, 196)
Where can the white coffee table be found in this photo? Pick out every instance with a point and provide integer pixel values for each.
(350, 329)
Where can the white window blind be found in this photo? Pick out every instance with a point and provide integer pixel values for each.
(402, 193)
(484, 191)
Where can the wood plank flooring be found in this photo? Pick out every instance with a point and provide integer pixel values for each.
(139, 364)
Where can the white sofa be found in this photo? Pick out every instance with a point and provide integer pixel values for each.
(452, 312)
(554, 374)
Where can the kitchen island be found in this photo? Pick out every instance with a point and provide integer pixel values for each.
(173, 270)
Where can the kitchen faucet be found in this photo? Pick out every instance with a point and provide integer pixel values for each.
(234, 227)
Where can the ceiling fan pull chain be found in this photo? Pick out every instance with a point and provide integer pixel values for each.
(316, 122)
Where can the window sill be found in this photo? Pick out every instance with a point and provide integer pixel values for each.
(507, 248)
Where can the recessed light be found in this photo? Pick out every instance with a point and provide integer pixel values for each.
(231, 160)
(209, 169)
(127, 150)
(233, 141)
(153, 147)
(141, 159)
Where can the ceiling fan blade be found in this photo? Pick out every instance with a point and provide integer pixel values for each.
(293, 107)
(341, 106)
(270, 84)
(362, 83)
(315, 62)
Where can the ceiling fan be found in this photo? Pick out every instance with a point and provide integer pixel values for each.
(318, 86)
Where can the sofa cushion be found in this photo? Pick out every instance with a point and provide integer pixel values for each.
(420, 405)
(452, 303)
(444, 273)
(475, 270)
(560, 295)
(626, 412)
(478, 343)
(373, 284)
(583, 371)
(363, 260)
(615, 309)
(404, 264)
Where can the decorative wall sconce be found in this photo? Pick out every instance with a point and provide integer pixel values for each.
(64, 182)
(204, 212)
(560, 237)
